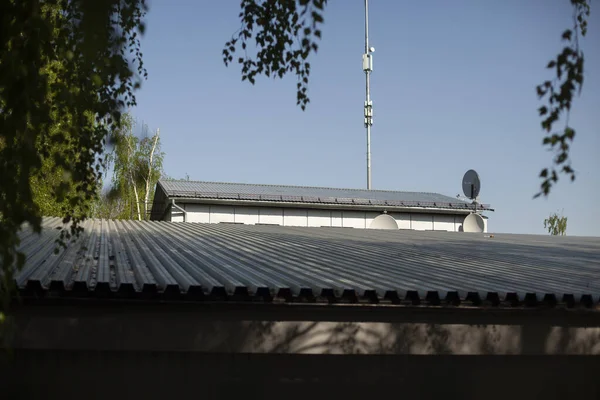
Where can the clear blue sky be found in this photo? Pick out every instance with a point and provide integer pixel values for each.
(453, 88)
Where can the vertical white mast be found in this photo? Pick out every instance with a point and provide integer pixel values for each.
(368, 67)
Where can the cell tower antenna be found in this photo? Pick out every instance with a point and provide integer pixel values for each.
(368, 68)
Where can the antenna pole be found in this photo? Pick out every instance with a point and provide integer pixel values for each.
(368, 67)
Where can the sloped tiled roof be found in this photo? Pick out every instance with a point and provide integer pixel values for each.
(306, 194)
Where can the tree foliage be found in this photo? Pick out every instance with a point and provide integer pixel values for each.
(137, 167)
(67, 68)
(556, 224)
(559, 93)
(285, 33)
(49, 176)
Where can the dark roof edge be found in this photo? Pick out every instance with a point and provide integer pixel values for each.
(318, 311)
(228, 200)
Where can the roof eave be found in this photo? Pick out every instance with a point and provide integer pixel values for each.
(328, 206)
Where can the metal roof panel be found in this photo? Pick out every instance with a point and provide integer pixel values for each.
(329, 264)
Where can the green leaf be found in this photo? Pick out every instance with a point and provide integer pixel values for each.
(97, 80)
(540, 91)
(281, 31)
(569, 133)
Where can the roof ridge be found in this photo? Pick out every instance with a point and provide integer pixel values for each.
(303, 187)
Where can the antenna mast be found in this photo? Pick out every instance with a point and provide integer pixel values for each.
(368, 68)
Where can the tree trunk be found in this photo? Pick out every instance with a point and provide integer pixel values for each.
(132, 182)
(137, 201)
(150, 173)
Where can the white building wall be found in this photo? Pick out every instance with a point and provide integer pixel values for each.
(458, 221)
(354, 219)
(196, 213)
(402, 219)
(246, 215)
(221, 214)
(444, 223)
(295, 217)
(422, 222)
(313, 217)
(369, 217)
(336, 219)
(272, 216)
(319, 218)
(175, 216)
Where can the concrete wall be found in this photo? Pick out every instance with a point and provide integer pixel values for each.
(312, 217)
(182, 375)
(306, 329)
(157, 352)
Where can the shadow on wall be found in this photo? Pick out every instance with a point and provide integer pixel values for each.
(417, 338)
(145, 332)
(149, 354)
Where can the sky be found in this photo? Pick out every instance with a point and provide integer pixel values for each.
(453, 88)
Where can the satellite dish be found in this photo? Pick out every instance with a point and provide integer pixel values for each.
(473, 223)
(471, 184)
(384, 221)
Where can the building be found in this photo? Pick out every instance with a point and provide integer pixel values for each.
(143, 309)
(211, 202)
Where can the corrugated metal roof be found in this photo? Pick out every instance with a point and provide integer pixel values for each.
(304, 194)
(245, 262)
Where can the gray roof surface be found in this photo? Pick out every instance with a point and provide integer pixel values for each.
(304, 194)
(192, 261)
